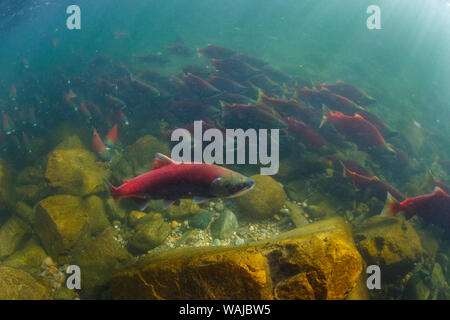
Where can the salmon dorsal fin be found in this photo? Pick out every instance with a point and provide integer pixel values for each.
(375, 178)
(161, 161)
(439, 191)
(357, 115)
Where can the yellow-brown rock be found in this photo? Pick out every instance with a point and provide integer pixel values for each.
(318, 261)
(389, 242)
(186, 209)
(264, 200)
(16, 284)
(28, 259)
(7, 194)
(13, 234)
(60, 220)
(74, 170)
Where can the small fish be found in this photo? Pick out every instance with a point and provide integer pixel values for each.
(180, 49)
(373, 184)
(112, 137)
(317, 98)
(289, 108)
(99, 147)
(173, 181)
(350, 92)
(433, 208)
(358, 130)
(236, 69)
(216, 52)
(8, 124)
(85, 111)
(200, 87)
(304, 133)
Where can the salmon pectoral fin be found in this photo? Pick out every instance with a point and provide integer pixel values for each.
(141, 202)
(167, 203)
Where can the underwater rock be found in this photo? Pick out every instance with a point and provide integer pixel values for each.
(7, 194)
(296, 214)
(31, 175)
(28, 193)
(97, 219)
(186, 209)
(28, 259)
(412, 135)
(135, 216)
(189, 237)
(416, 289)
(25, 212)
(437, 277)
(150, 234)
(223, 227)
(139, 157)
(16, 284)
(200, 220)
(389, 242)
(113, 211)
(60, 221)
(99, 258)
(74, 171)
(64, 293)
(321, 210)
(321, 258)
(13, 234)
(264, 200)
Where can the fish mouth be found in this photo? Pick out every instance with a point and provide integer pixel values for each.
(245, 190)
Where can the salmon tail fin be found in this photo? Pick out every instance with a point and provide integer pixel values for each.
(344, 169)
(326, 115)
(112, 190)
(261, 97)
(391, 207)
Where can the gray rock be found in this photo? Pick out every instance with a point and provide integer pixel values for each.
(200, 220)
(149, 235)
(224, 226)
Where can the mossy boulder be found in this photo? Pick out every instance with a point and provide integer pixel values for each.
(389, 242)
(31, 175)
(224, 226)
(138, 158)
(13, 234)
(99, 258)
(319, 261)
(97, 218)
(28, 259)
(150, 233)
(74, 170)
(60, 220)
(264, 200)
(7, 189)
(25, 212)
(186, 209)
(16, 284)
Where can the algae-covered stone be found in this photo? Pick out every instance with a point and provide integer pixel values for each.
(224, 226)
(200, 220)
(113, 210)
(185, 209)
(264, 200)
(13, 234)
(60, 221)
(25, 212)
(389, 242)
(7, 194)
(97, 219)
(319, 261)
(75, 171)
(99, 258)
(30, 175)
(150, 234)
(28, 259)
(134, 217)
(296, 214)
(19, 285)
(138, 158)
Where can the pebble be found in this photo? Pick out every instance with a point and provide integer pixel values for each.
(239, 242)
(175, 224)
(216, 242)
